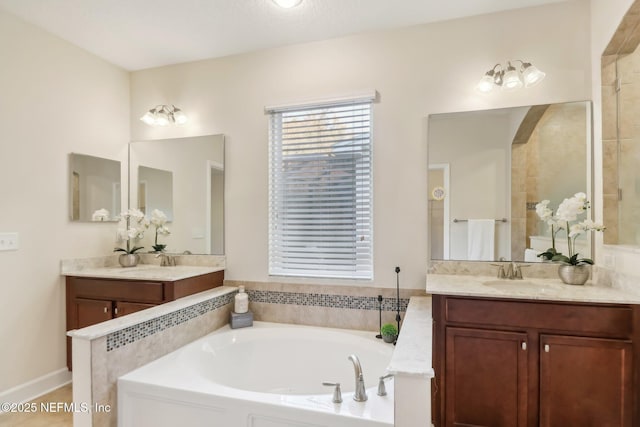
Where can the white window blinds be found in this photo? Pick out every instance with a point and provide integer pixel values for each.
(320, 206)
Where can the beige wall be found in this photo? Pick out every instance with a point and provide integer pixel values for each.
(55, 99)
(417, 71)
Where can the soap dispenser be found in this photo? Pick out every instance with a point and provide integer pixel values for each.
(241, 303)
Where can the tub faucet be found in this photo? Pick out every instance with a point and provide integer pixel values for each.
(360, 395)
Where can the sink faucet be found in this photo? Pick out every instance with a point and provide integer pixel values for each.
(360, 395)
(512, 271)
(166, 260)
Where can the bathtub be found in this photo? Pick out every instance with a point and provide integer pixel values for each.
(269, 375)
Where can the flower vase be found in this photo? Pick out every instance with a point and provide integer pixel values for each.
(129, 260)
(574, 274)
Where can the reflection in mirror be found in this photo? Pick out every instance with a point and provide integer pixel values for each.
(155, 191)
(184, 178)
(496, 165)
(94, 185)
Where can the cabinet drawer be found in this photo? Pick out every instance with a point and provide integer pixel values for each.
(127, 290)
(589, 319)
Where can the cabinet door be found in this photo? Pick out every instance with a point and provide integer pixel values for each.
(124, 308)
(585, 382)
(486, 378)
(90, 311)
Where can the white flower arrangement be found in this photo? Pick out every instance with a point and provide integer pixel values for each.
(159, 220)
(568, 211)
(100, 215)
(131, 229)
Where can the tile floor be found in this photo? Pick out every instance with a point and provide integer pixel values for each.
(42, 418)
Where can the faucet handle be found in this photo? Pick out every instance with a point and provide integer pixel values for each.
(337, 394)
(501, 273)
(518, 270)
(382, 390)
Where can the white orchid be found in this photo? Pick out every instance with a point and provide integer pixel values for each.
(568, 211)
(133, 226)
(159, 219)
(100, 215)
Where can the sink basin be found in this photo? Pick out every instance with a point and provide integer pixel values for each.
(519, 285)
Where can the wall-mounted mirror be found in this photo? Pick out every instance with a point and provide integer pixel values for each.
(94, 184)
(487, 171)
(155, 191)
(184, 178)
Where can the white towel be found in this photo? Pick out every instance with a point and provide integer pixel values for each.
(531, 255)
(480, 240)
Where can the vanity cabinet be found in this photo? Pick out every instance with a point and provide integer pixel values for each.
(506, 363)
(91, 300)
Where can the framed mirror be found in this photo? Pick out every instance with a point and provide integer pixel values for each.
(184, 179)
(94, 185)
(490, 168)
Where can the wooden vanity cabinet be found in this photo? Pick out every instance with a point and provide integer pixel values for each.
(508, 363)
(92, 300)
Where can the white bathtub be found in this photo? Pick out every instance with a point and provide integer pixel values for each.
(269, 375)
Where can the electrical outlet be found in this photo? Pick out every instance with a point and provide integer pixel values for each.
(8, 241)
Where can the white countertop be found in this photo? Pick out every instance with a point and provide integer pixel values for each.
(528, 288)
(144, 272)
(412, 355)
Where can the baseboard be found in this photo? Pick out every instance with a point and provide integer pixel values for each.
(37, 387)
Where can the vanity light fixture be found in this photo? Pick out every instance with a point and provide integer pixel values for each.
(162, 115)
(287, 4)
(510, 77)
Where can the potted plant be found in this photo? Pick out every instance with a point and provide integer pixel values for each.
(134, 223)
(159, 220)
(389, 332)
(574, 270)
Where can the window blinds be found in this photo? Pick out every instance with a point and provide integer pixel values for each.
(320, 201)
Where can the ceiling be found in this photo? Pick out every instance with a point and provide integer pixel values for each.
(138, 34)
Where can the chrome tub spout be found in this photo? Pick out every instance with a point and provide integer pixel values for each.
(361, 394)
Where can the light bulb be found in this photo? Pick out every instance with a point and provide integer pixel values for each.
(486, 84)
(148, 118)
(511, 79)
(179, 117)
(531, 75)
(162, 119)
(287, 4)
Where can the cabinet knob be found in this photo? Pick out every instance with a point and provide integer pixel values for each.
(546, 348)
(524, 345)
(115, 310)
(105, 309)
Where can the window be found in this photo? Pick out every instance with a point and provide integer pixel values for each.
(320, 201)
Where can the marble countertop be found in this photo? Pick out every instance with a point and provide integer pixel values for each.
(412, 355)
(528, 288)
(144, 272)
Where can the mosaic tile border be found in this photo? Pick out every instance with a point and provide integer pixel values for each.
(326, 300)
(142, 330)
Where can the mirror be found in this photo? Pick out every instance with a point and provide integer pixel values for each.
(497, 165)
(183, 178)
(94, 184)
(155, 191)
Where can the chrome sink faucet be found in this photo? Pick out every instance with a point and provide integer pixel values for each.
(360, 395)
(513, 271)
(166, 260)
